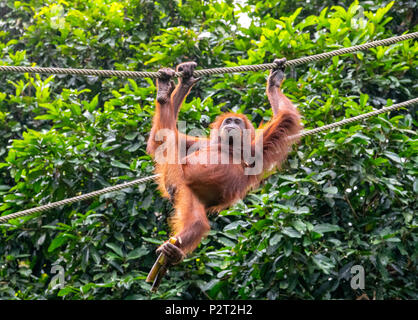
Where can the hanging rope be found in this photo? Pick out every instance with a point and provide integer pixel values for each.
(77, 198)
(143, 180)
(207, 72)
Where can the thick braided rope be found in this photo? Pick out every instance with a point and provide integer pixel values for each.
(82, 72)
(77, 198)
(207, 72)
(307, 59)
(353, 119)
(142, 180)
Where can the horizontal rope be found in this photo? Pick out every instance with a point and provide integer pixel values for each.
(77, 198)
(145, 179)
(207, 72)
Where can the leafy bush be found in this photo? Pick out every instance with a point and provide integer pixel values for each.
(345, 197)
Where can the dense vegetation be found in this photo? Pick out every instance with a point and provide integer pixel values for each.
(345, 197)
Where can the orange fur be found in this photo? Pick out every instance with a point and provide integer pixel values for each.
(197, 188)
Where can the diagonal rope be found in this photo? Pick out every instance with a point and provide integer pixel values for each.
(207, 72)
(356, 118)
(77, 198)
(145, 179)
(307, 59)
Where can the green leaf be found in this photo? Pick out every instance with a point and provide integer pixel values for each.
(275, 239)
(326, 227)
(152, 240)
(299, 226)
(137, 253)
(226, 242)
(58, 242)
(235, 225)
(323, 262)
(290, 232)
(392, 156)
(46, 117)
(331, 190)
(131, 135)
(116, 248)
(116, 163)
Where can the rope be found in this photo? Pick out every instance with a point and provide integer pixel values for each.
(207, 72)
(357, 118)
(307, 59)
(77, 198)
(145, 179)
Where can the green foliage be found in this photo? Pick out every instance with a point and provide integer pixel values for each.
(345, 197)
